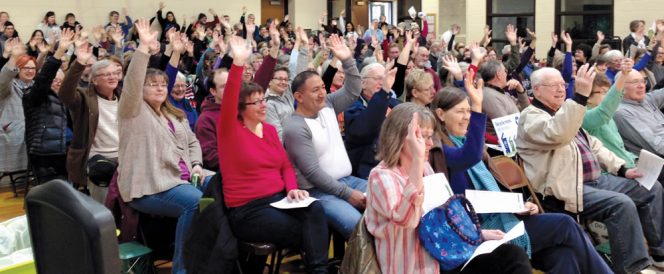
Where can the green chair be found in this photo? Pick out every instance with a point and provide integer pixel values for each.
(136, 258)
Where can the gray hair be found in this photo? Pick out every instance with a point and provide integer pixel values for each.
(489, 69)
(368, 61)
(99, 65)
(365, 70)
(613, 54)
(538, 76)
(180, 77)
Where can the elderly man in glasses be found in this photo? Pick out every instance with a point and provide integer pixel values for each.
(564, 162)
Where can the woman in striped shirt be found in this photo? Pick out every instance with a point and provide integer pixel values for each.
(395, 196)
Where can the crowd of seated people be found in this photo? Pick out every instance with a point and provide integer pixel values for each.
(147, 111)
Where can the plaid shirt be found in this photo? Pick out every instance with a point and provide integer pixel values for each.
(591, 168)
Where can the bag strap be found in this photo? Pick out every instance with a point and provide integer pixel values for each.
(471, 212)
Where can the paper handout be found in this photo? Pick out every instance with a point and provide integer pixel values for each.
(506, 128)
(650, 165)
(412, 12)
(285, 204)
(491, 245)
(436, 191)
(495, 201)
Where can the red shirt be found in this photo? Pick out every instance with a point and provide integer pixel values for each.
(251, 167)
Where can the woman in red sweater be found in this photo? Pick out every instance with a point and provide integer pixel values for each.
(257, 172)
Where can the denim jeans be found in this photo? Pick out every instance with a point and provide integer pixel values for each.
(181, 202)
(629, 212)
(559, 245)
(341, 215)
(505, 259)
(301, 228)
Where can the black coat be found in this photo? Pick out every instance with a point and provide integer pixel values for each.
(210, 246)
(45, 115)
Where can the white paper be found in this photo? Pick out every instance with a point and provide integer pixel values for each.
(436, 191)
(495, 147)
(506, 128)
(495, 201)
(650, 165)
(412, 12)
(491, 245)
(285, 204)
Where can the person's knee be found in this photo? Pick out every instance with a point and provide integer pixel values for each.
(622, 204)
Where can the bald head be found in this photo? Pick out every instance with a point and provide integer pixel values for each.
(548, 87)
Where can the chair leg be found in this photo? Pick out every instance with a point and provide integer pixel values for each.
(273, 258)
(13, 184)
(280, 256)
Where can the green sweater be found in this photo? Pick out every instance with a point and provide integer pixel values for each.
(599, 122)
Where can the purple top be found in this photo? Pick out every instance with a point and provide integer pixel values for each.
(185, 175)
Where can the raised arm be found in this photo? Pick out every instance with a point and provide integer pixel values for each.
(13, 49)
(344, 97)
(603, 113)
(229, 111)
(132, 90)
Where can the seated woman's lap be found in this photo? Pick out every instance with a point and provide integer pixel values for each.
(170, 203)
(257, 221)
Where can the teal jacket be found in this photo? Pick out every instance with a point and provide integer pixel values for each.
(599, 122)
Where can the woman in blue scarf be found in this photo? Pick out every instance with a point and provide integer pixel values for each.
(554, 241)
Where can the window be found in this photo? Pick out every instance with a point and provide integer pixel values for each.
(582, 19)
(500, 13)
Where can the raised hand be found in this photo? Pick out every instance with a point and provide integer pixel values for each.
(554, 39)
(477, 53)
(189, 47)
(177, 43)
(240, 50)
(584, 80)
(456, 29)
(303, 36)
(341, 51)
(43, 47)
(514, 84)
(83, 50)
(415, 141)
(286, 18)
(533, 37)
(147, 37)
(66, 38)
(510, 34)
(97, 32)
(161, 5)
(117, 36)
(221, 44)
(390, 77)
(626, 65)
(274, 35)
(567, 40)
(600, 37)
(475, 91)
(13, 48)
(450, 64)
(410, 40)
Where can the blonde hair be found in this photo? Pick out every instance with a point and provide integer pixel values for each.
(416, 78)
(395, 128)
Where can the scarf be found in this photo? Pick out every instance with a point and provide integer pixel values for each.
(483, 180)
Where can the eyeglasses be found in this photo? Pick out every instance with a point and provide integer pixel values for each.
(560, 85)
(375, 78)
(153, 85)
(109, 74)
(636, 82)
(257, 102)
(280, 79)
(29, 68)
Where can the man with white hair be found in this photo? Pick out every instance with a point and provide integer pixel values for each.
(421, 61)
(564, 161)
(639, 118)
(363, 119)
(614, 58)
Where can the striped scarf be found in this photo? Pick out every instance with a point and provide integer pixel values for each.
(483, 180)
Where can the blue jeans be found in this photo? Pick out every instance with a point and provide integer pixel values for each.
(630, 213)
(181, 202)
(340, 214)
(559, 245)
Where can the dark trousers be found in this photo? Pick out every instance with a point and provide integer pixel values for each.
(559, 245)
(46, 168)
(507, 259)
(301, 228)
